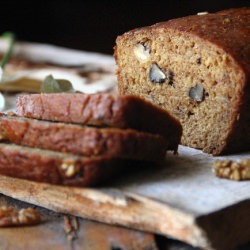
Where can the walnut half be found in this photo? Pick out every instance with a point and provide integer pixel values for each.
(12, 217)
(234, 170)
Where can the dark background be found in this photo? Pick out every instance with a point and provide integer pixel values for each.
(94, 25)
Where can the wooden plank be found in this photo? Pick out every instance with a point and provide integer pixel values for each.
(65, 232)
(185, 202)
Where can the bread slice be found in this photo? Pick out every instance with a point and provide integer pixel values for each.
(56, 168)
(197, 68)
(102, 110)
(82, 140)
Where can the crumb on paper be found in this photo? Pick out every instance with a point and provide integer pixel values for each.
(233, 170)
(12, 217)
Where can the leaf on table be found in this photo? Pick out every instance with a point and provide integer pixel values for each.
(52, 85)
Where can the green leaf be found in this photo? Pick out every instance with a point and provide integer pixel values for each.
(11, 41)
(52, 85)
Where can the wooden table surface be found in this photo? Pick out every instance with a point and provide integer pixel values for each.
(66, 232)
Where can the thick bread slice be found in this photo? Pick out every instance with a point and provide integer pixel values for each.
(54, 167)
(197, 68)
(102, 110)
(82, 140)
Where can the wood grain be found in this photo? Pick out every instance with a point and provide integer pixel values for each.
(52, 233)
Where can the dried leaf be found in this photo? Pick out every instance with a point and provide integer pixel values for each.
(52, 85)
(22, 85)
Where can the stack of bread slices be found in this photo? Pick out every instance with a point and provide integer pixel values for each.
(79, 139)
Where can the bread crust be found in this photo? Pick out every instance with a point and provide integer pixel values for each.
(102, 110)
(82, 140)
(56, 168)
(221, 28)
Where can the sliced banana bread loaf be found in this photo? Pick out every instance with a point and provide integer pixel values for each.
(56, 168)
(102, 110)
(82, 140)
(197, 68)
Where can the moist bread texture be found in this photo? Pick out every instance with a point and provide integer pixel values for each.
(54, 167)
(198, 69)
(82, 140)
(102, 110)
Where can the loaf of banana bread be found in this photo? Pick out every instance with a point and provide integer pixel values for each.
(56, 168)
(198, 69)
(82, 140)
(102, 110)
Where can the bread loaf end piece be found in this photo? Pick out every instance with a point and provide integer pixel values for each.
(198, 69)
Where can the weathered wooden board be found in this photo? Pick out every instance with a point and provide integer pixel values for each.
(183, 200)
(65, 232)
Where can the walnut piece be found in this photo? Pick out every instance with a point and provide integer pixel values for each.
(156, 75)
(70, 168)
(234, 170)
(197, 93)
(12, 217)
(142, 52)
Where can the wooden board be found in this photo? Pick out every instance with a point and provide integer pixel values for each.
(66, 232)
(183, 200)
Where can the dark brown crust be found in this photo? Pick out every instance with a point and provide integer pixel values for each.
(87, 141)
(102, 110)
(239, 136)
(45, 166)
(229, 30)
(222, 29)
